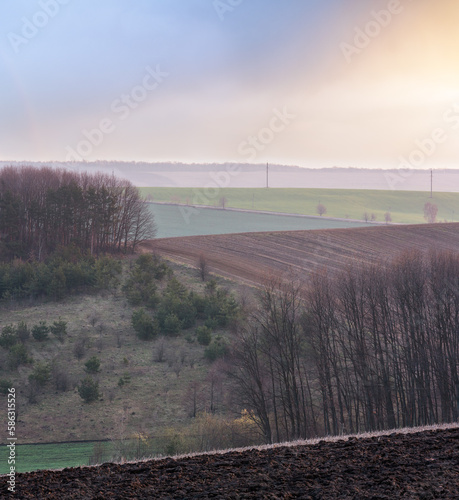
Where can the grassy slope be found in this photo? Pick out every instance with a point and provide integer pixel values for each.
(152, 400)
(405, 206)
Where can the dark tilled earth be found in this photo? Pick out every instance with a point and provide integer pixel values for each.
(418, 466)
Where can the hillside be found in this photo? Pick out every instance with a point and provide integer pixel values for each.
(254, 256)
(396, 465)
(143, 384)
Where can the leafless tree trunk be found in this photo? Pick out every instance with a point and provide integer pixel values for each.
(203, 267)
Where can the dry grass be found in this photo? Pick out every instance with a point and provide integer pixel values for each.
(152, 399)
(300, 442)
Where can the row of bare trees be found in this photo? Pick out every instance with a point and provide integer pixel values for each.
(42, 209)
(269, 366)
(373, 347)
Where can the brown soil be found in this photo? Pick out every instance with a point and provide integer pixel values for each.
(250, 257)
(420, 465)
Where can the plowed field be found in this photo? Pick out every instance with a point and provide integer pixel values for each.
(250, 257)
(413, 466)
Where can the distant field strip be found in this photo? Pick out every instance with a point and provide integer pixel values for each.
(404, 206)
(252, 257)
(173, 220)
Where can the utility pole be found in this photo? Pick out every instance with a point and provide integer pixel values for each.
(431, 182)
(267, 175)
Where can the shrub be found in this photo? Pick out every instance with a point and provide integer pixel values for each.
(59, 329)
(211, 287)
(60, 377)
(211, 323)
(146, 296)
(40, 331)
(58, 286)
(80, 347)
(8, 338)
(92, 365)
(172, 325)
(221, 306)
(41, 374)
(217, 349)
(160, 351)
(140, 287)
(177, 301)
(175, 289)
(23, 331)
(18, 355)
(204, 335)
(144, 326)
(125, 379)
(107, 272)
(187, 314)
(199, 303)
(153, 265)
(88, 389)
(5, 385)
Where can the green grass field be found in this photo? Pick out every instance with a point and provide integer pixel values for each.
(404, 206)
(31, 457)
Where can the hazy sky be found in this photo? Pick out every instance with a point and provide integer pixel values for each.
(303, 82)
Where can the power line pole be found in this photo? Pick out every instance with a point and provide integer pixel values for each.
(431, 182)
(267, 175)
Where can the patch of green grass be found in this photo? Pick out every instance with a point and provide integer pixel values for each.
(31, 457)
(404, 206)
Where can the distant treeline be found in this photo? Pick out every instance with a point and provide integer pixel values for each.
(44, 209)
(373, 347)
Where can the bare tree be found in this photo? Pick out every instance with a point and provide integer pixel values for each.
(387, 217)
(321, 209)
(430, 212)
(250, 375)
(269, 356)
(160, 351)
(193, 398)
(80, 346)
(203, 267)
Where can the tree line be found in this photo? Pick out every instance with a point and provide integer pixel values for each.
(44, 209)
(370, 348)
